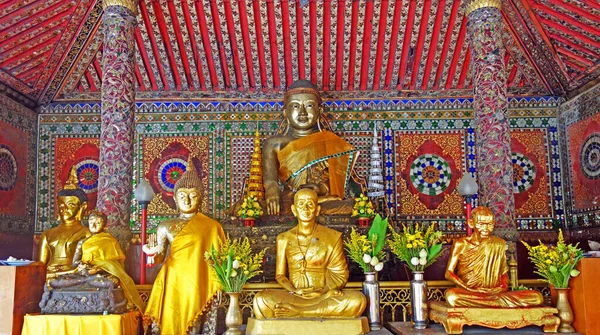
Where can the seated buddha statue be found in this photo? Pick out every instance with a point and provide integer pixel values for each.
(184, 287)
(305, 156)
(57, 245)
(479, 269)
(313, 258)
(99, 263)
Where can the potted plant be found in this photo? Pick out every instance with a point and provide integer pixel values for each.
(556, 265)
(363, 209)
(418, 248)
(234, 263)
(250, 210)
(367, 251)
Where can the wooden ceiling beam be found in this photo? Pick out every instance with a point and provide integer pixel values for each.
(300, 41)
(464, 69)
(439, 16)
(579, 36)
(33, 9)
(511, 75)
(326, 65)
(192, 35)
(312, 10)
(574, 9)
(148, 26)
(287, 44)
(410, 21)
(206, 44)
(233, 44)
(366, 46)
(180, 45)
(30, 64)
(420, 43)
(574, 45)
(260, 44)
(27, 51)
(138, 77)
(457, 50)
(142, 50)
(380, 44)
(29, 43)
(164, 35)
(353, 32)
(445, 47)
(393, 42)
(566, 18)
(339, 46)
(574, 56)
(272, 26)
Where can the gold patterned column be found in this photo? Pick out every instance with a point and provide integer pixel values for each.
(491, 117)
(118, 107)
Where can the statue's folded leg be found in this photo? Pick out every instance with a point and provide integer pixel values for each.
(274, 303)
(458, 297)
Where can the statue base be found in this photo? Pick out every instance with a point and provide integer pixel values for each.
(81, 301)
(454, 318)
(302, 326)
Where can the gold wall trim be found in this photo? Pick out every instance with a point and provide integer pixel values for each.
(476, 4)
(132, 5)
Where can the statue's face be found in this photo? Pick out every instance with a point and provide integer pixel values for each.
(69, 208)
(302, 110)
(306, 205)
(96, 224)
(188, 200)
(484, 225)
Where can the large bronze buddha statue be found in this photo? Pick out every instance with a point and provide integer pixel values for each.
(479, 269)
(184, 286)
(58, 244)
(305, 156)
(312, 269)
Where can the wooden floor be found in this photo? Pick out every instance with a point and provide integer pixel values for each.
(404, 328)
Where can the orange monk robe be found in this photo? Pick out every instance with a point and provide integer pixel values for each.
(298, 156)
(184, 286)
(102, 250)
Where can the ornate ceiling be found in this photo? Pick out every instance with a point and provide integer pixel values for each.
(51, 50)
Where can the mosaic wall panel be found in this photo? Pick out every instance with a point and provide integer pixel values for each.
(18, 138)
(224, 134)
(579, 120)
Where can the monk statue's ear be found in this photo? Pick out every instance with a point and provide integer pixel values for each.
(294, 210)
(471, 222)
(318, 210)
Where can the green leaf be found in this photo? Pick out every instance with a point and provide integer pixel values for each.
(434, 251)
(379, 227)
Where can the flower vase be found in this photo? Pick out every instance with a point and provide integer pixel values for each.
(363, 221)
(370, 289)
(565, 312)
(233, 318)
(249, 222)
(418, 300)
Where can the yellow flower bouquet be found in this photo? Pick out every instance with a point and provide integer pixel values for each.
(417, 248)
(363, 207)
(556, 264)
(234, 263)
(367, 251)
(250, 208)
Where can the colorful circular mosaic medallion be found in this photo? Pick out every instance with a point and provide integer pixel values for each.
(8, 169)
(590, 157)
(170, 170)
(430, 174)
(523, 172)
(87, 175)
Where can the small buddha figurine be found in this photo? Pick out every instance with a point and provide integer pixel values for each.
(306, 156)
(184, 286)
(479, 269)
(313, 257)
(57, 245)
(99, 262)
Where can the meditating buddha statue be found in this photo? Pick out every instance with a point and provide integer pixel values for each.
(98, 274)
(184, 286)
(479, 269)
(313, 256)
(57, 245)
(305, 156)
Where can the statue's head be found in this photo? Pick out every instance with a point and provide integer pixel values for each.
(482, 221)
(302, 105)
(188, 190)
(97, 221)
(306, 205)
(72, 200)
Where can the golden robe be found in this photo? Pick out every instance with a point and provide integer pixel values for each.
(58, 244)
(184, 286)
(321, 150)
(102, 250)
(324, 266)
(484, 266)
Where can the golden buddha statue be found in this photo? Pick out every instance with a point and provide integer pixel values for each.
(57, 245)
(479, 269)
(99, 263)
(184, 287)
(305, 156)
(313, 256)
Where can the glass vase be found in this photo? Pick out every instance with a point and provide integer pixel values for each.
(418, 300)
(233, 318)
(371, 291)
(565, 312)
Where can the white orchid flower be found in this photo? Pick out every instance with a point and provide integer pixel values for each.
(236, 264)
(374, 261)
(379, 266)
(367, 258)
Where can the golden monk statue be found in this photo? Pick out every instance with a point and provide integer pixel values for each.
(184, 286)
(479, 269)
(313, 256)
(305, 156)
(98, 264)
(57, 245)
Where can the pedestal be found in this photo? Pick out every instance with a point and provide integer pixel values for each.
(312, 326)
(583, 297)
(21, 290)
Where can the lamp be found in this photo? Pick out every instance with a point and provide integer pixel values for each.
(468, 188)
(143, 194)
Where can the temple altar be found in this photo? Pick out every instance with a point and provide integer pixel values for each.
(117, 324)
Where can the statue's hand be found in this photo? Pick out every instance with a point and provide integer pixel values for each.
(273, 199)
(308, 293)
(148, 250)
